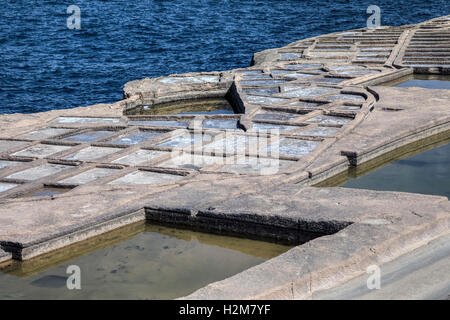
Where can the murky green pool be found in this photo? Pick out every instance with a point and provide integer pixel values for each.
(421, 167)
(186, 107)
(140, 261)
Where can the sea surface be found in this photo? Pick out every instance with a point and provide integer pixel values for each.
(45, 65)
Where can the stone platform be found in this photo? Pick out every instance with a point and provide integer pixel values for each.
(304, 113)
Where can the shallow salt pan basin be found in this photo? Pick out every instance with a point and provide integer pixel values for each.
(92, 153)
(308, 92)
(265, 100)
(187, 140)
(39, 172)
(158, 123)
(193, 161)
(45, 133)
(6, 186)
(41, 150)
(325, 119)
(138, 137)
(220, 124)
(7, 163)
(255, 165)
(273, 115)
(292, 147)
(85, 120)
(350, 97)
(139, 157)
(88, 136)
(6, 145)
(319, 131)
(258, 126)
(147, 177)
(89, 176)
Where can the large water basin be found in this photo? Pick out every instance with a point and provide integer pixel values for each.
(185, 107)
(421, 167)
(140, 261)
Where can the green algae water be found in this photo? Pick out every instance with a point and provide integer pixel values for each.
(140, 261)
(186, 107)
(420, 167)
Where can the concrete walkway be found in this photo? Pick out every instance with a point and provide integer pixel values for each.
(421, 274)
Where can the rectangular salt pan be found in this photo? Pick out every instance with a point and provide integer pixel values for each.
(308, 92)
(92, 153)
(271, 126)
(138, 137)
(249, 72)
(326, 119)
(304, 104)
(290, 56)
(192, 161)
(319, 131)
(265, 100)
(88, 136)
(256, 77)
(45, 133)
(254, 165)
(302, 66)
(88, 176)
(330, 80)
(265, 91)
(147, 177)
(292, 147)
(6, 186)
(87, 120)
(7, 163)
(47, 192)
(220, 124)
(299, 76)
(139, 157)
(232, 143)
(39, 172)
(158, 123)
(6, 145)
(261, 82)
(359, 72)
(276, 115)
(349, 97)
(41, 150)
(187, 140)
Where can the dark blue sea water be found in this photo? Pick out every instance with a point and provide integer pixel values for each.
(44, 65)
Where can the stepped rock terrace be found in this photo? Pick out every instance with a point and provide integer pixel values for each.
(297, 116)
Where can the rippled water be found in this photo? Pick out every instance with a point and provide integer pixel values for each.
(421, 167)
(139, 261)
(44, 65)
